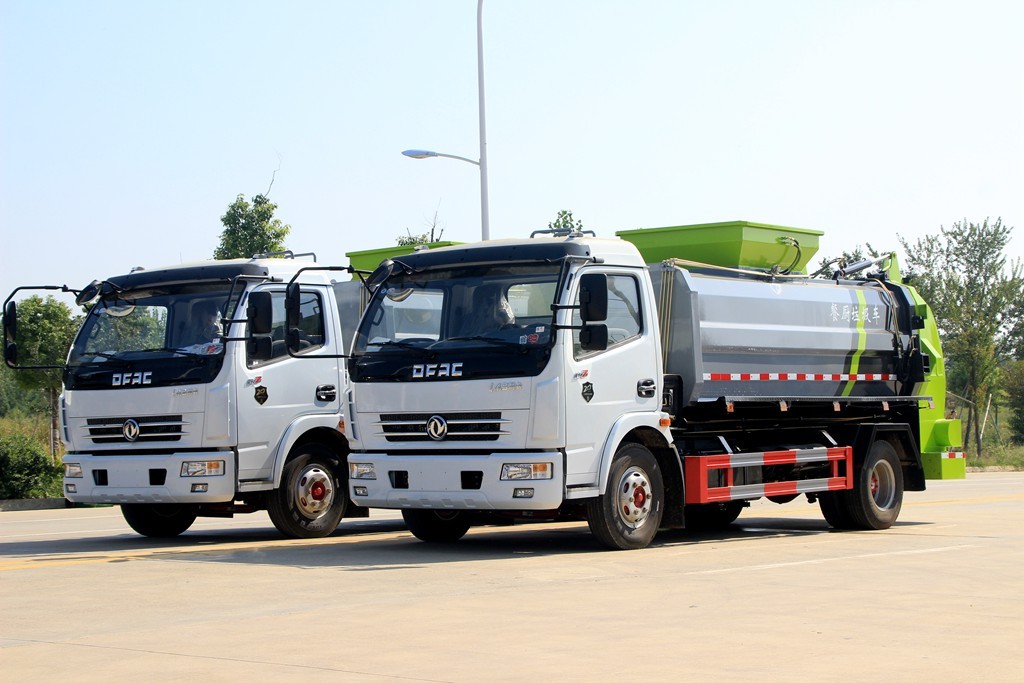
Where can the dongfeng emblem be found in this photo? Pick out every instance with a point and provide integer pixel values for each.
(437, 428)
(130, 430)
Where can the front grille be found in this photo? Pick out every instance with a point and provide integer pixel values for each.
(151, 428)
(478, 426)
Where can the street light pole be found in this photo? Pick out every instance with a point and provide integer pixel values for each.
(485, 228)
(485, 223)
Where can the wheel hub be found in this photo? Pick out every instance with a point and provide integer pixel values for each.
(634, 497)
(314, 491)
(882, 485)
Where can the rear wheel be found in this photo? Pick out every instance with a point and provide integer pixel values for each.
(436, 526)
(312, 497)
(877, 494)
(165, 520)
(627, 516)
(712, 516)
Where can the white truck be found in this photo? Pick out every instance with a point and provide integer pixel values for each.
(562, 377)
(176, 406)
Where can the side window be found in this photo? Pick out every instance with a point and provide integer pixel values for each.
(624, 321)
(311, 326)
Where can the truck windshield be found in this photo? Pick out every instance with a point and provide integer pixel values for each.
(173, 321)
(500, 312)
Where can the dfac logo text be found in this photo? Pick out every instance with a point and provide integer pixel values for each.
(424, 370)
(124, 379)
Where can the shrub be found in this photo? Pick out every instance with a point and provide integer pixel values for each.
(26, 470)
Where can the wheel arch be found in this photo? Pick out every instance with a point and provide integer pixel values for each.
(903, 442)
(654, 439)
(318, 429)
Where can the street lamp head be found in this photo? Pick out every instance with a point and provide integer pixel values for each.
(419, 153)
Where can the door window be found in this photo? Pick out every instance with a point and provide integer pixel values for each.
(624, 320)
(311, 326)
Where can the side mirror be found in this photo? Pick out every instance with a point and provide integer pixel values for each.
(382, 273)
(260, 348)
(11, 321)
(594, 337)
(260, 313)
(292, 303)
(594, 298)
(88, 293)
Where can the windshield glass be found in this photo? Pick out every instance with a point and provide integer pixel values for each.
(174, 321)
(493, 307)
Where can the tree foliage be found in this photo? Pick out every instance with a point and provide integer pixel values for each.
(25, 469)
(565, 221)
(963, 274)
(411, 240)
(16, 401)
(46, 329)
(251, 229)
(1013, 385)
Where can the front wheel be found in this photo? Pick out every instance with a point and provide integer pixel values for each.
(164, 520)
(312, 497)
(628, 514)
(436, 526)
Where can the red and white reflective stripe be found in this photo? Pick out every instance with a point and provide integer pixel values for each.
(796, 377)
(955, 454)
(699, 470)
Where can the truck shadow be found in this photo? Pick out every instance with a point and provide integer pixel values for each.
(378, 545)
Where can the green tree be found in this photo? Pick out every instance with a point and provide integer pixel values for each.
(25, 471)
(411, 240)
(46, 329)
(1013, 385)
(565, 221)
(14, 400)
(251, 229)
(963, 274)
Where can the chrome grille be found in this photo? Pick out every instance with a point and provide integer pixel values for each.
(151, 428)
(474, 426)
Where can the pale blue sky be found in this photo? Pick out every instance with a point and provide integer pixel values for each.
(126, 128)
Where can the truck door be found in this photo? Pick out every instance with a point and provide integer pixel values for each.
(273, 393)
(604, 385)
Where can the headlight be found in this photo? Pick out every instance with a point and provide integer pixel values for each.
(361, 470)
(72, 470)
(527, 470)
(203, 468)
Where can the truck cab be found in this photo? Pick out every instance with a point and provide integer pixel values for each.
(483, 387)
(172, 408)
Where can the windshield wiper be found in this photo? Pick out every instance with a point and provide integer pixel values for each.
(402, 344)
(102, 354)
(480, 337)
(175, 351)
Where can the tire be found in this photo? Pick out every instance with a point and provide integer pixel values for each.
(627, 515)
(164, 520)
(712, 516)
(436, 526)
(834, 510)
(312, 497)
(877, 494)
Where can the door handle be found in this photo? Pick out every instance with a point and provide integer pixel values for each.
(646, 388)
(326, 392)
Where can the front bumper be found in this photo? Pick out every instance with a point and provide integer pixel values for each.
(120, 479)
(456, 482)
